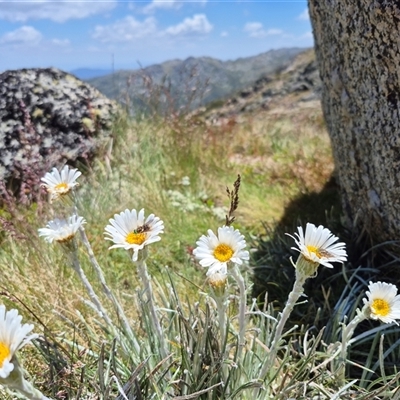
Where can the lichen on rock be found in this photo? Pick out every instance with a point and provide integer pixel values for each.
(48, 118)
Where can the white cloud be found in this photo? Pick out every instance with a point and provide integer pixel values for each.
(125, 30)
(168, 5)
(59, 11)
(304, 16)
(198, 24)
(162, 4)
(271, 32)
(21, 36)
(224, 34)
(60, 42)
(129, 29)
(256, 29)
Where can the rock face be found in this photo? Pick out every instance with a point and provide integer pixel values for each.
(299, 81)
(47, 118)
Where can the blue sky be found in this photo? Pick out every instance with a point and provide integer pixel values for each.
(90, 34)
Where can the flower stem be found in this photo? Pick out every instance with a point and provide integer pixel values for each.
(92, 294)
(108, 293)
(347, 333)
(221, 309)
(242, 311)
(142, 270)
(221, 302)
(106, 289)
(294, 295)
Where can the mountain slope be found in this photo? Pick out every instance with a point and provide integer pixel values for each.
(184, 85)
(298, 86)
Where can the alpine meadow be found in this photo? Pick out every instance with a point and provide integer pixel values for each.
(201, 253)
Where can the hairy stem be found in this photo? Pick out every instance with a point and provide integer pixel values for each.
(294, 295)
(108, 292)
(242, 310)
(148, 290)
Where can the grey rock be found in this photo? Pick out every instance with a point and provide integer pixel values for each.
(300, 79)
(48, 118)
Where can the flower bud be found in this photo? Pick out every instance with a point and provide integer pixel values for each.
(218, 283)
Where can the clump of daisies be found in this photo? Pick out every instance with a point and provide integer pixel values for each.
(129, 230)
(223, 252)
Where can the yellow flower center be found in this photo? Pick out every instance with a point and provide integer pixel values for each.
(319, 252)
(223, 252)
(313, 249)
(380, 307)
(61, 187)
(135, 238)
(4, 353)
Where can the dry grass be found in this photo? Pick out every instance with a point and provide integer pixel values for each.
(278, 156)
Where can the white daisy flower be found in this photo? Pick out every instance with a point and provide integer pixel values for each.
(383, 302)
(61, 230)
(13, 336)
(130, 230)
(215, 252)
(59, 184)
(318, 245)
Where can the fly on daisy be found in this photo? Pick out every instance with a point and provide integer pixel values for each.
(318, 245)
(62, 230)
(131, 231)
(382, 302)
(59, 184)
(215, 252)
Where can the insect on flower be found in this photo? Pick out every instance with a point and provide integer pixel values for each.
(318, 245)
(131, 231)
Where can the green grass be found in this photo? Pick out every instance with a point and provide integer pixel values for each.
(281, 159)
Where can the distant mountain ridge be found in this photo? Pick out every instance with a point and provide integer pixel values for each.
(185, 85)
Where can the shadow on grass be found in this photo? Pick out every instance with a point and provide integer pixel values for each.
(335, 292)
(274, 272)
